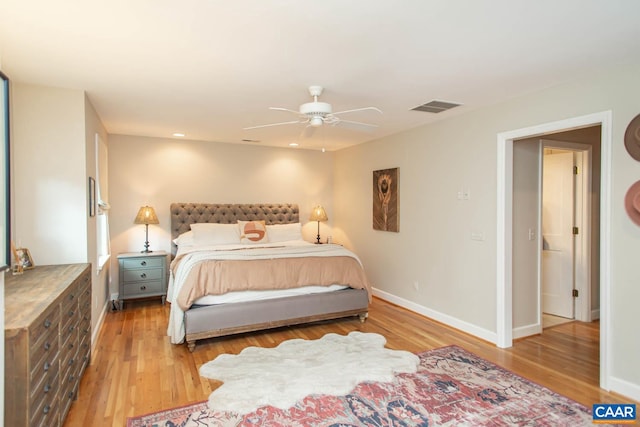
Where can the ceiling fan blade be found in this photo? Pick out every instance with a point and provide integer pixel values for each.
(273, 124)
(359, 109)
(297, 113)
(350, 124)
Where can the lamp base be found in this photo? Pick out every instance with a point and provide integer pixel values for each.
(318, 240)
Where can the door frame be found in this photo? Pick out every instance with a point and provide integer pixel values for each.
(583, 204)
(504, 229)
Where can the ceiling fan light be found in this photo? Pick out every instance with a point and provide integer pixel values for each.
(315, 121)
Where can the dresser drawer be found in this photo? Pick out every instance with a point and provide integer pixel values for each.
(42, 352)
(70, 299)
(46, 324)
(44, 393)
(46, 367)
(47, 412)
(143, 275)
(135, 263)
(143, 288)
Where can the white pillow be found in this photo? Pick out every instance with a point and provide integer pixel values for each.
(185, 239)
(208, 234)
(284, 232)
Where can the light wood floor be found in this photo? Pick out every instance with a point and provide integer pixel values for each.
(135, 370)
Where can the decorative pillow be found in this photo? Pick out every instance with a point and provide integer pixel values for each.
(185, 239)
(208, 234)
(253, 232)
(284, 232)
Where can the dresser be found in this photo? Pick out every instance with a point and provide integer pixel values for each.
(142, 275)
(47, 342)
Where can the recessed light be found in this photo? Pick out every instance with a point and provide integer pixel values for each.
(178, 134)
(293, 144)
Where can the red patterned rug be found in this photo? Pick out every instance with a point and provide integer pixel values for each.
(452, 387)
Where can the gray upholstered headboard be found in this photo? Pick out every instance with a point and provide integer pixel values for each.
(185, 214)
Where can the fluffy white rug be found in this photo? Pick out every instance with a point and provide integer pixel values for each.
(280, 376)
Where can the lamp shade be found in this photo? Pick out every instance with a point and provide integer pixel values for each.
(146, 215)
(318, 214)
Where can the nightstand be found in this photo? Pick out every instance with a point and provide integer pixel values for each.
(142, 275)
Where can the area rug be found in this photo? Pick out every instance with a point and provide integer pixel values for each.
(281, 376)
(452, 387)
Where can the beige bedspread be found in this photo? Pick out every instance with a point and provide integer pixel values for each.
(215, 277)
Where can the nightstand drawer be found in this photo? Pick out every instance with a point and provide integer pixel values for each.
(138, 275)
(148, 262)
(143, 288)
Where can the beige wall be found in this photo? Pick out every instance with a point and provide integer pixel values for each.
(49, 188)
(158, 172)
(457, 275)
(101, 279)
(53, 155)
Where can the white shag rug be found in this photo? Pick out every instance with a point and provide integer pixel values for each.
(281, 376)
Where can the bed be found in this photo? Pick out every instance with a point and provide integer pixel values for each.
(269, 278)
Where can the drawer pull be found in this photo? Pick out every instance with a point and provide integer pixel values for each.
(71, 328)
(47, 323)
(71, 362)
(143, 275)
(70, 395)
(47, 365)
(46, 409)
(143, 288)
(70, 346)
(143, 263)
(47, 388)
(47, 346)
(71, 296)
(71, 313)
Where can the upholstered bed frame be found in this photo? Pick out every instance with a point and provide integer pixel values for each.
(225, 319)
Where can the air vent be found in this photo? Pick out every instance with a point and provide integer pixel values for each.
(251, 140)
(435, 106)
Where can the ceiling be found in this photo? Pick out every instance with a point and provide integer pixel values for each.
(209, 68)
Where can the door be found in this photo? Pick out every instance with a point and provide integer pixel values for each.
(557, 234)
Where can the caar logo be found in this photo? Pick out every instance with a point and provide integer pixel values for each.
(624, 413)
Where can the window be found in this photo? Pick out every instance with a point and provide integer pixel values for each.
(102, 196)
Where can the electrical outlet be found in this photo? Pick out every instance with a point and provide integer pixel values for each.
(416, 285)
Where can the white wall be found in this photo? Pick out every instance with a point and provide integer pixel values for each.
(53, 155)
(49, 185)
(100, 279)
(157, 172)
(457, 275)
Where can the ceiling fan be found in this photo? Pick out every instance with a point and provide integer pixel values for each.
(315, 114)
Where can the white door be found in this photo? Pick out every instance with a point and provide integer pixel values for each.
(557, 234)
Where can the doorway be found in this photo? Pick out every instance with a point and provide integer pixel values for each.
(505, 218)
(568, 202)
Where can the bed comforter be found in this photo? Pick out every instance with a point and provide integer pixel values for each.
(196, 272)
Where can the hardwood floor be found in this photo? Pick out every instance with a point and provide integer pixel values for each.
(135, 370)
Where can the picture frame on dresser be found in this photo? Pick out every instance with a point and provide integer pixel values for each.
(23, 257)
(5, 217)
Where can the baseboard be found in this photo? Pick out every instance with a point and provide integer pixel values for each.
(526, 331)
(96, 331)
(595, 314)
(625, 388)
(437, 316)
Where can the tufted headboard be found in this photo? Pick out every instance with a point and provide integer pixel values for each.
(185, 214)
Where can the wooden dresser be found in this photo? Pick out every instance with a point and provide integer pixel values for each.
(47, 342)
